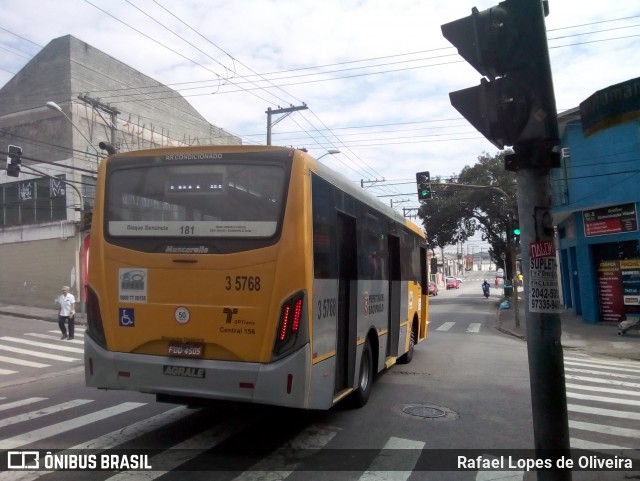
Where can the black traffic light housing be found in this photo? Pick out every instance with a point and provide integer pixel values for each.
(15, 159)
(423, 181)
(515, 104)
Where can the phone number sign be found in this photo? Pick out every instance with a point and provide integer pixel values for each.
(544, 291)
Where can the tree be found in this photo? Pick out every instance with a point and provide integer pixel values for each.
(456, 212)
(495, 213)
(444, 223)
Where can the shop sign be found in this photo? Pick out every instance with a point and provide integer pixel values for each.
(619, 289)
(544, 291)
(611, 106)
(610, 220)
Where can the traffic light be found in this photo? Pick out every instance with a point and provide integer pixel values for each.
(516, 231)
(515, 104)
(14, 161)
(423, 181)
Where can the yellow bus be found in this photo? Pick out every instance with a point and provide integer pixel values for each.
(247, 273)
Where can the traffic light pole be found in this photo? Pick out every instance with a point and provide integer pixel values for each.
(546, 364)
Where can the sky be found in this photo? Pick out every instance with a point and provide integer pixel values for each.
(374, 74)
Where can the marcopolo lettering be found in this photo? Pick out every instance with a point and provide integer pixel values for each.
(184, 371)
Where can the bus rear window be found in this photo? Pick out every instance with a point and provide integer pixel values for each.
(201, 200)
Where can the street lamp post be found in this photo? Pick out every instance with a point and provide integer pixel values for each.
(57, 108)
(329, 152)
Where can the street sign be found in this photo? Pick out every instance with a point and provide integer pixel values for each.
(544, 291)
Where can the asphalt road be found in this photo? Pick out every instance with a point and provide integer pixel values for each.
(466, 392)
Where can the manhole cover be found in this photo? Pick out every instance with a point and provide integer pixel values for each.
(424, 411)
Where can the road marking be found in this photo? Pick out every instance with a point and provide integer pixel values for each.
(68, 425)
(280, 464)
(575, 356)
(602, 389)
(582, 444)
(109, 440)
(187, 450)
(604, 381)
(603, 428)
(43, 412)
(42, 344)
(45, 355)
(22, 402)
(604, 412)
(383, 466)
(21, 362)
(446, 326)
(6, 372)
(474, 327)
(598, 366)
(586, 397)
(55, 338)
(608, 374)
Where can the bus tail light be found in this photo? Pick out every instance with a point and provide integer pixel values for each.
(289, 323)
(95, 328)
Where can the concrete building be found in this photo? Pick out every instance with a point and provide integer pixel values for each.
(596, 197)
(58, 108)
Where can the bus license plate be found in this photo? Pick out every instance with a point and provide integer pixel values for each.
(185, 349)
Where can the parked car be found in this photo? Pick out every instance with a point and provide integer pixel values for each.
(433, 289)
(452, 283)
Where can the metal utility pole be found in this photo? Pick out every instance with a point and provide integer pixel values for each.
(286, 111)
(514, 105)
(112, 111)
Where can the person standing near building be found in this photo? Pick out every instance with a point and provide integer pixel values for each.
(67, 311)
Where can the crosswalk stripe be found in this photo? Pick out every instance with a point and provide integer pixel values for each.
(68, 425)
(608, 374)
(278, 466)
(605, 429)
(586, 397)
(43, 412)
(603, 381)
(575, 356)
(604, 412)
(55, 338)
(42, 344)
(22, 362)
(383, 467)
(589, 445)
(599, 366)
(54, 357)
(6, 372)
(187, 450)
(474, 327)
(446, 326)
(78, 331)
(21, 402)
(601, 389)
(109, 440)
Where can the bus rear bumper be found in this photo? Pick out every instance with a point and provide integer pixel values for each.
(283, 383)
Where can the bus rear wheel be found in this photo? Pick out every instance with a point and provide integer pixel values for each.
(408, 356)
(365, 378)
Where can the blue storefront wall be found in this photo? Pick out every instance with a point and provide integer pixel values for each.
(596, 172)
(578, 266)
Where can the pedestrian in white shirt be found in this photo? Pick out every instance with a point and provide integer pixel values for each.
(67, 312)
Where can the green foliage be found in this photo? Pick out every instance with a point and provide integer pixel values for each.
(455, 213)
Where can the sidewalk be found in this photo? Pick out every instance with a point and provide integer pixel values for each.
(600, 339)
(26, 312)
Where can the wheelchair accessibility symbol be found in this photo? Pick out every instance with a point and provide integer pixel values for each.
(126, 317)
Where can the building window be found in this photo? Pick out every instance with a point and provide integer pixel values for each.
(33, 201)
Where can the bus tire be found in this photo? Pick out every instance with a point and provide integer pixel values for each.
(365, 377)
(407, 357)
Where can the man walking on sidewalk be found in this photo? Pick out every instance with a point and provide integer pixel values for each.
(67, 311)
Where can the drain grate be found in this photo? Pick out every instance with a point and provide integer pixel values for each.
(427, 411)
(424, 411)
